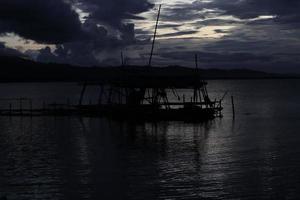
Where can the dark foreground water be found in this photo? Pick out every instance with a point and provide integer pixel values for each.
(255, 156)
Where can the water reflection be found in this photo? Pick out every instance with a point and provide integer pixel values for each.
(73, 158)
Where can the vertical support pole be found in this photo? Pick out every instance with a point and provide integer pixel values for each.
(154, 36)
(200, 99)
(233, 108)
(196, 80)
(196, 62)
(82, 93)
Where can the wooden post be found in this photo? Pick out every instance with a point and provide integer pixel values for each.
(196, 62)
(82, 93)
(195, 95)
(233, 109)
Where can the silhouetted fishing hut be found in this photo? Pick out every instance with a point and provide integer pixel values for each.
(143, 95)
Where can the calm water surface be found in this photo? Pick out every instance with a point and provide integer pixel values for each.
(255, 156)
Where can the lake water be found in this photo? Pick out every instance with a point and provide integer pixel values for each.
(254, 156)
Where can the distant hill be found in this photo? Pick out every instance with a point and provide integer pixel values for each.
(15, 69)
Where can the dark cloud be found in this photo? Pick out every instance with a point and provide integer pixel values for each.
(107, 28)
(56, 22)
(86, 52)
(285, 11)
(45, 55)
(51, 21)
(221, 31)
(113, 12)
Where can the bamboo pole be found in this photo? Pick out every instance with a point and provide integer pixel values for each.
(233, 108)
(154, 37)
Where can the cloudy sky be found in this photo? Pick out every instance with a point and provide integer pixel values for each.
(255, 34)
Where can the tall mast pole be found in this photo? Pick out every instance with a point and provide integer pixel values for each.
(154, 36)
